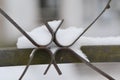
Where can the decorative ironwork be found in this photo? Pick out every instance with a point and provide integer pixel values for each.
(61, 46)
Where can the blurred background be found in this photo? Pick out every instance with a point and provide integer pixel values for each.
(80, 13)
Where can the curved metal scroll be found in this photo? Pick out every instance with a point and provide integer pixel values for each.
(22, 31)
(33, 42)
(66, 47)
(32, 56)
(61, 45)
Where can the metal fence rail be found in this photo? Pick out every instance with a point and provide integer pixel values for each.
(18, 57)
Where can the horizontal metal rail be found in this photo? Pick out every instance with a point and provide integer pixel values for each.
(18, 57)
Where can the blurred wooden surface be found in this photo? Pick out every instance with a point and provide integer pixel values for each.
(17, 57)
